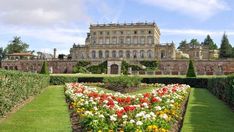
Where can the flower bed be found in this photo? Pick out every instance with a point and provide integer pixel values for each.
(158, 110)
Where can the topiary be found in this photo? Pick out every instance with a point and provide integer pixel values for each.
(191, 70)
(44, 68)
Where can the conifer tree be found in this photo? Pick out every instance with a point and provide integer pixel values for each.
(225, 48)
(44, 69)
(191, 70)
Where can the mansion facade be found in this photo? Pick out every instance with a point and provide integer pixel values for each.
(130, 41)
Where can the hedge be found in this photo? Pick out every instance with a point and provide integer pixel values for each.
(223, 88)
(16, 87)
(61, 80)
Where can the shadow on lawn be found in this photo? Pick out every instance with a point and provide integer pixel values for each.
(207, 113)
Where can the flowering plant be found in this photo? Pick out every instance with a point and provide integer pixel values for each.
(154, 111)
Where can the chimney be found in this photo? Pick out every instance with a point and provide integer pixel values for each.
(55, 52)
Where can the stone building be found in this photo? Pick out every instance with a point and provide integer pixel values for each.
(199, 52)
(131, 42)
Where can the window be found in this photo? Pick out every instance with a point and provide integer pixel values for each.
(114, 40)
(121, 32)
(100, 41)
(128, 54)
(150, 40)
(149, 52)
(128, 40)
(120, 53)
(100, 32)
(142, 52)
(142, 40)
(134, 54)
(135, 32)
(114, 54)
(107, 33)
(100, 55)
(135, 40)
(121, 40)
(93, 54)
(162, 54)
(150, 32)
(107, 54)
(107, 40)
(94, 33)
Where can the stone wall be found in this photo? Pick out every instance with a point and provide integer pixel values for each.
(166, 67)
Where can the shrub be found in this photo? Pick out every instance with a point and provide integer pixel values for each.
(98, 69)
(80, 67)
(17, 86)
(125, 66)
(61, 80)
(122, 83)
(44, 68)
(191, 70)
(150, 65)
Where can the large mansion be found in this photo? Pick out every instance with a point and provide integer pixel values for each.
(131, 41)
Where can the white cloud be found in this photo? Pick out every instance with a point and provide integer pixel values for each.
(202, 9)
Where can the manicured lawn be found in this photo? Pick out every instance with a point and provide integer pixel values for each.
(205, 113)
(47, 112)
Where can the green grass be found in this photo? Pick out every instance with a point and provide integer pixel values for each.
(47, 112)
(206, 113)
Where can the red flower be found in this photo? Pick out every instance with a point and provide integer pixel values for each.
(147, 95)
(129, 108)
(111, 103)
(120, 113)
(154, 100)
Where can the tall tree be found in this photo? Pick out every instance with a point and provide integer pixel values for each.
(225, 48)
(191, 70)
(2, 54)
(183, 43)
(210, 43)
(16, 46)
(194, 42)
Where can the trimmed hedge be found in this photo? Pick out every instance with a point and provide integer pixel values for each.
(61, 80)
(223, 88)
(16, 87)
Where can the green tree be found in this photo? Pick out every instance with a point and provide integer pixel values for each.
(191, 70)
(183, 43)
(44, 68)
(233, 52)
(2, 54)
(225, 48)
(210, 43)
(194, 42)
(16, 46)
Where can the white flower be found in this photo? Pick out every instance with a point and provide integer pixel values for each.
(139, 123)
(113, 117)
(125, 116)
(132, 121)
(158, 108)
(101, 116)
(88, 113)
(95, 108)
(164, 116)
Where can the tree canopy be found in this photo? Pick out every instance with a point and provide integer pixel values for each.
(2, 53)
(210, 43)
(183, 43)
(226, 48)
(16, 46)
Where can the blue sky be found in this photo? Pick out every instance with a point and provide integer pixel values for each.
(45, 24)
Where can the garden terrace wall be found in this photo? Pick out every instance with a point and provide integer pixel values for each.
(16, 87)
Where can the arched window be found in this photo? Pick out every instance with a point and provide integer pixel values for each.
(134, 54)
(100, 55)
(150, 53)
(162, 54)
(93, 54)
(107, 54)
(114, 54)
(128, 54)
(121, 40)
(142, 53)
(120, 53)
